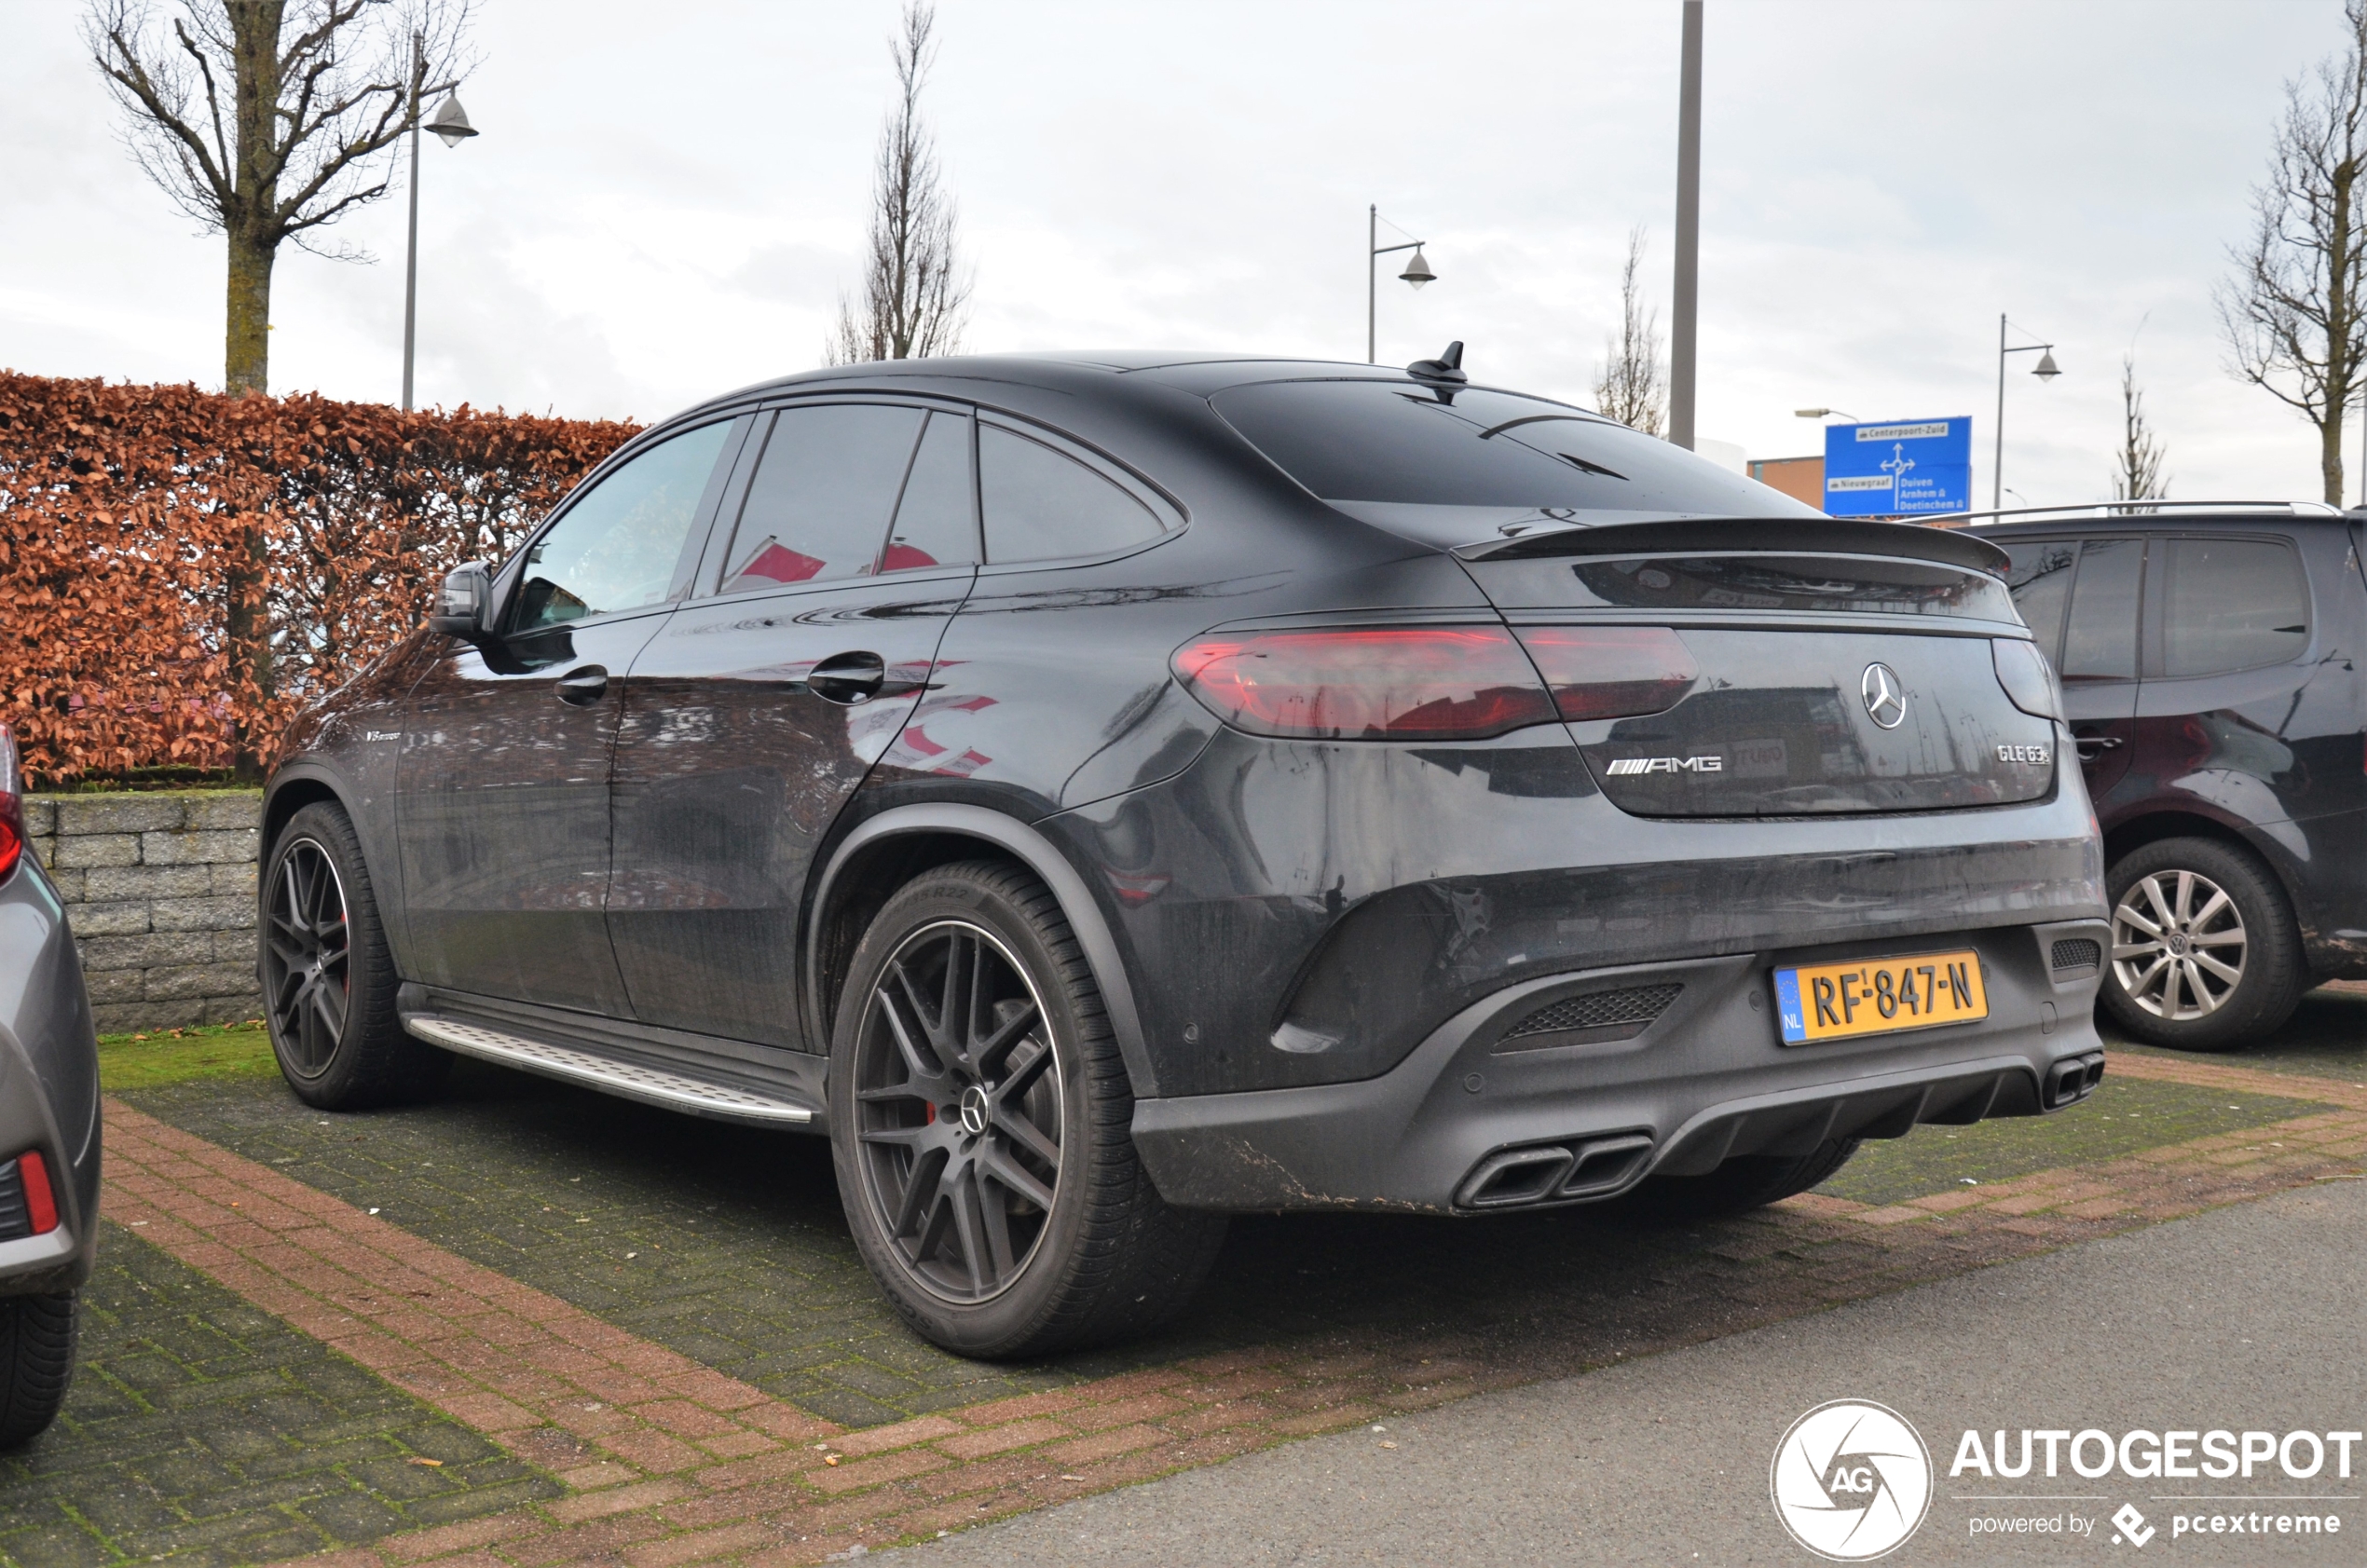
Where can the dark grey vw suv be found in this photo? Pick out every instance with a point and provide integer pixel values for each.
(1106, 792)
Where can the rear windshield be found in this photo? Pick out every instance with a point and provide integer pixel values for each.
(1389, 441)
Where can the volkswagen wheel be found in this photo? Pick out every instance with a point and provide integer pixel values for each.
(2206, 956)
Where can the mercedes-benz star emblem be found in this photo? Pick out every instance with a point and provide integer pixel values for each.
(975, 1112)
(1885, 698)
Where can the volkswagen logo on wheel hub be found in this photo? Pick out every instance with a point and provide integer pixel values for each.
(1886, 697)
(1851, 1480)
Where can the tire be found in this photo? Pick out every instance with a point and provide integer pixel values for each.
(980, 1122)
(328, 976)
(1751, 1182)
(2187, 913)
(36, 1362)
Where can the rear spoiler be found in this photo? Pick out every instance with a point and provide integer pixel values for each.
(1831, 535)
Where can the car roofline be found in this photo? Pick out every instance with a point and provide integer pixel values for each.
(885, 375)
(2124, 513)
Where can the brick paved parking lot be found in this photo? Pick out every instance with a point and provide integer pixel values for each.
(205, 1429)
(658, 1337)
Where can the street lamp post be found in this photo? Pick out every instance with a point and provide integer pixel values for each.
(1418, 272)
(451, 124)
(2045, 369)
(1685, 301)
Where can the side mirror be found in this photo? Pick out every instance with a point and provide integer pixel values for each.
(464, 605)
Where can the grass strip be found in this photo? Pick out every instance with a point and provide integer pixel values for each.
(178, 1055)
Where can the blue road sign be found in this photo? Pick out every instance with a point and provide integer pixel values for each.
(1900, 468)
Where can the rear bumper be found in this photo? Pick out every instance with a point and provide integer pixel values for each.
(1477, 1117)
(1299, 914)
(49, 1085)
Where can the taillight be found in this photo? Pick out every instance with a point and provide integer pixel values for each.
(11, 805)
(2029, 680)
(1393, 683)
(40, 1203)
(1611, 672)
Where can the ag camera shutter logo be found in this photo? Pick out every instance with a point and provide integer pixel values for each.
(1851, 1480)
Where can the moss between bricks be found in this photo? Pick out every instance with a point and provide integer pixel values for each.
(2126, 1115)
(201, 1429)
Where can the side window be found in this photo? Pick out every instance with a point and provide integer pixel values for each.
(2040, 577)
(936, 521)
(2231, 605)
(2101, 641)
(818, 506)
(1040, 504)
(627, 542)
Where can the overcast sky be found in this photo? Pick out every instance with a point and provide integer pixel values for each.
(667, 198)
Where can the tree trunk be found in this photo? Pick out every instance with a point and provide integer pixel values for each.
(246, 360)
(2342, 310)
(248, 628)
(247, 622)
(252, 224)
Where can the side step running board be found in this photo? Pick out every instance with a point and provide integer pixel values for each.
(629, 1080)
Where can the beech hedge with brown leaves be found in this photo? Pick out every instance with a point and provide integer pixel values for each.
(180, 571)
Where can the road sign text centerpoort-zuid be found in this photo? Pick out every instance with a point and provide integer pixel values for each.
(1898, 467)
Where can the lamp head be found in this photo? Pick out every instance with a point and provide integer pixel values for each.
(1417, 272)
(2045, 370)
(451, 123)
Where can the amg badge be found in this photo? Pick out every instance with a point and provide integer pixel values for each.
(1628, 765)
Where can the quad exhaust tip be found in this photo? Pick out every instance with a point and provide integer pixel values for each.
(2073, 1080)
(1555, 1172)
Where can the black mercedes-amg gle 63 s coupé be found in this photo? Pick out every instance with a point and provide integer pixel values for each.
(1106, 792)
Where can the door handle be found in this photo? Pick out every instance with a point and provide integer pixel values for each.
(848, 677)
(584, 687)
(2102, 743)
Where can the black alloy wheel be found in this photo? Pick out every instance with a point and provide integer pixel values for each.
(981, 1122)
(328, 976)
(960, 1113)
(306, 977)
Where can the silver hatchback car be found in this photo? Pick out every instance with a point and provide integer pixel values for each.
(48, 1130)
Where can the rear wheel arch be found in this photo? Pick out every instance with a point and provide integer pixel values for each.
(887, 852)
(2126, 839)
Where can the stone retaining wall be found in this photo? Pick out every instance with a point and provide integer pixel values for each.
(159, 889)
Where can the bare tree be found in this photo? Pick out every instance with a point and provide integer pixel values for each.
(915, 289)
(2138, 475)
(267, 120)
(2293, 313)
(1631, 382)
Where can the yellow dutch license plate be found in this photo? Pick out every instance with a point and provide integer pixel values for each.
(1878, 996)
